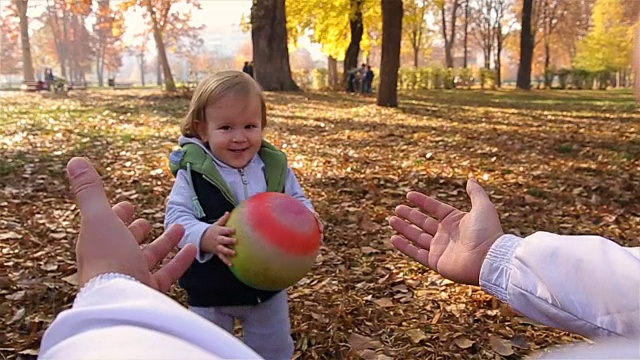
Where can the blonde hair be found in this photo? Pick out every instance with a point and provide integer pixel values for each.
(213, 89)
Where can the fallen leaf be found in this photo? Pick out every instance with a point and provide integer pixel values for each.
(463, 342)
(71, 279)
(17, 316)
(49, 266)
(361, 342)
(16, 295)
(520, 341)
(58, 236)
(29, 352)
(368, 250)
(384, 302)
(369, 355)
(10, 236)
(416, 335)
(500, 345)
(368, 225)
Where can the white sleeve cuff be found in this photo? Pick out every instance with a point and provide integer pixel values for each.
(496, 268)
(97, 281)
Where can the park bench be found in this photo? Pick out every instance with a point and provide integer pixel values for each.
(122, 85)
(31, 85)
(77, 85)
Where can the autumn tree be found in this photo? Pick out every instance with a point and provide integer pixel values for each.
(10, 51)
(391, 39)
(573, 25)
(107, 46)
(503, 28)
(414, 26)
(449, 13)
(160, 16)
(550, 13)
(335, 25)
(465, 38)
(66, 22)
(483, 27)
(27, 62)
(526, 47)
(607, 47)
(270, 50)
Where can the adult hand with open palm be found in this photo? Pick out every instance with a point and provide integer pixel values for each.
(450, 241)
(110, 238)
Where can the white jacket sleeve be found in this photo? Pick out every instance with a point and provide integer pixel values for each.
(181, 210)
(116, 317)
(584, 284)
(292, 187)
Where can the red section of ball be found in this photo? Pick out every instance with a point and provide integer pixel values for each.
(284, 222)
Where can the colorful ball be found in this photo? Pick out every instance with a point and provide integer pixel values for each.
(278, 239)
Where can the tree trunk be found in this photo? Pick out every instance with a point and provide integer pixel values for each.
(98, 71)
(169, 84)
(447, 46)
(271, 66)
(27, 62)
(547, 61)
(141, 57)
(64, 49)
(449, 38)
(357, 29)
(333, 73)
(466, 35)
(158, 70)
(391, 39)
(498, 61)
(526, 47)
(416, 51)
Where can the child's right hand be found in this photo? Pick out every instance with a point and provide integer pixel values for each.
(217, 240)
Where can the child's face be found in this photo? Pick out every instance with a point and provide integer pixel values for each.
(233, 129)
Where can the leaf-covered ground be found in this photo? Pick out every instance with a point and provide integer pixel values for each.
(565, 162)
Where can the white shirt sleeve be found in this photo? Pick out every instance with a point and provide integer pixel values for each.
(292, 187)
(588, 285)
(116, 317)
(180, 210)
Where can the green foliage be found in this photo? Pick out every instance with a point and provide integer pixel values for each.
(320, 79)
(327, 23)
(607, 47)
(487, 78)
(428, 78)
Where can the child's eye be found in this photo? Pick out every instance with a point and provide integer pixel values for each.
(225, 127)
(250, 127)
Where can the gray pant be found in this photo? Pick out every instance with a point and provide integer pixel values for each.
(265, 327)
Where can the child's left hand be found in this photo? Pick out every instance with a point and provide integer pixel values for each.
(320, 227)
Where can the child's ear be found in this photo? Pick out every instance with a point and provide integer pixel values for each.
(201, 130)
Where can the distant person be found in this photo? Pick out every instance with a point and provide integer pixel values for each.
(362, 70)
(352, 81)
(246, 69)
(223, 131)
(251, 69)
(368, 80)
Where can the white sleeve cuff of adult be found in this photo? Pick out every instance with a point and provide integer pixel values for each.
(496, 268)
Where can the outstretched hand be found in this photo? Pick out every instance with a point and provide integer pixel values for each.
(110, 238)
(452, 242)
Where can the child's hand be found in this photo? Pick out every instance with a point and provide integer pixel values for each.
(216, 240)
(320, 227)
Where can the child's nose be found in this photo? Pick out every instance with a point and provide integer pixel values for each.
(239, 137)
